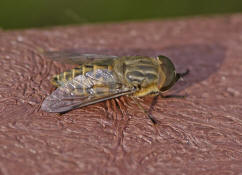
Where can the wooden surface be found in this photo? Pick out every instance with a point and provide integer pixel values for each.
(201, 134)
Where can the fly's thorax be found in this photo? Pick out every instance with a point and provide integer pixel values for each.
(140, 72)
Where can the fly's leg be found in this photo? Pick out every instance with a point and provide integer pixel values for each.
(184, 73)
(153, 103)
(144, 111)
(180, 75)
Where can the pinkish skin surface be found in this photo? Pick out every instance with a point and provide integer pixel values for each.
(200, 134)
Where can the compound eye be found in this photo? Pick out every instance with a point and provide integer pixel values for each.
(169, 70)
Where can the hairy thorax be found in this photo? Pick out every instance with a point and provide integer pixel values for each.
(143, 73)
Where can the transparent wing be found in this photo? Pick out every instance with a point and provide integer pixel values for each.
(73, 57)
(84, 90)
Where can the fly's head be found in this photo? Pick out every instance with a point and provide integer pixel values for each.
(168, 73)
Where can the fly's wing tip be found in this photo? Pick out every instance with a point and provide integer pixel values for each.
(50, 106)
(46, 106)
(56, 105)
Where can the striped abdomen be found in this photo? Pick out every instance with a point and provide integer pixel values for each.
(60, 79)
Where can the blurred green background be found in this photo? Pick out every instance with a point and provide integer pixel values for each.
(38, 13)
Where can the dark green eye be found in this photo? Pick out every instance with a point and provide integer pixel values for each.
(169, 70)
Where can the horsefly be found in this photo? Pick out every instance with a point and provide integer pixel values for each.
(102, 77)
